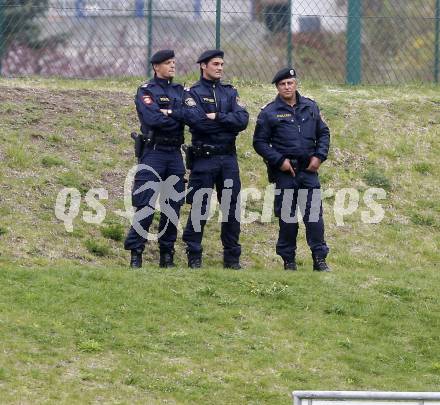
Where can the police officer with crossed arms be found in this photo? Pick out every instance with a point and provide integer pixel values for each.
(294, 140)
(159, 108)
(215, 117)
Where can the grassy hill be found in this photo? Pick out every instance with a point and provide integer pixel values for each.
(78, 327)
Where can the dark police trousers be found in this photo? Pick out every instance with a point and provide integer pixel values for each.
(304, 192)
(208, 172)
(166, 161)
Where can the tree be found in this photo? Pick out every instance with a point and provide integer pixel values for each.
(397, 38)
(18, 23)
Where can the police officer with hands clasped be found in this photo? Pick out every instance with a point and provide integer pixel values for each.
(215, 116)
(294, 140)
(159, 108)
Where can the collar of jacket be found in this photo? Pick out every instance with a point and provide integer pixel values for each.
(162, 82)
(210, 83)
(300, 101)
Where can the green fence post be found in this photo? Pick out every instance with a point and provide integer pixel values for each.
(218, 22)
(437, 42)
(2, 34)
(150, 35)
(289, 35)
(353, 67)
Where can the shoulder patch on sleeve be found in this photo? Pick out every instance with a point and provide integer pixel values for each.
(240, 103)
(147, 99)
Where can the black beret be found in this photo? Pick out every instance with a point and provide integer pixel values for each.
(162, 56)
(208, 55)
(286, 73)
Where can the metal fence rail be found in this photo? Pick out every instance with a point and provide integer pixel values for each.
(354, 41)
(308, 397)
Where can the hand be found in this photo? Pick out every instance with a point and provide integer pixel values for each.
(287, 167)
(164, 112)
(211, 116)
(314, 164)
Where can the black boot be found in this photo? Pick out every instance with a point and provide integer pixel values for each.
(194, 262)
(136, 258)
(232, 265)
(319, 264)
(166, 259)
(290, 265)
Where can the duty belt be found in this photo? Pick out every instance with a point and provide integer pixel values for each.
(206, 150)
(167, 140)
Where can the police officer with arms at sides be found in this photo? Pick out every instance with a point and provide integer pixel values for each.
(159, 108)
(294, 140)
(215, 117)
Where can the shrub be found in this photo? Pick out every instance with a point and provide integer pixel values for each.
(376, 178)
(96, 248)
(113, 231)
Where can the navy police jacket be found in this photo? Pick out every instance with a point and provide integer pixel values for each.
(160, 94)
(208, 96)
(295, 132)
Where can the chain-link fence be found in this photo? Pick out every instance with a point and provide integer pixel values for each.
(369, 41)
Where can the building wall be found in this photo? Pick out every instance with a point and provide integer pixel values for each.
(332, 18)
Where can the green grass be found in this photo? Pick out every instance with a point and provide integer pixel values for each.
(73, 179)
(18, 157)
(76, 326)
(75, 334)
(50, 161)
(423, 219)
(423, 167)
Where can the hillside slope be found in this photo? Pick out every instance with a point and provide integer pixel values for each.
(78, 327)
(55, 135)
